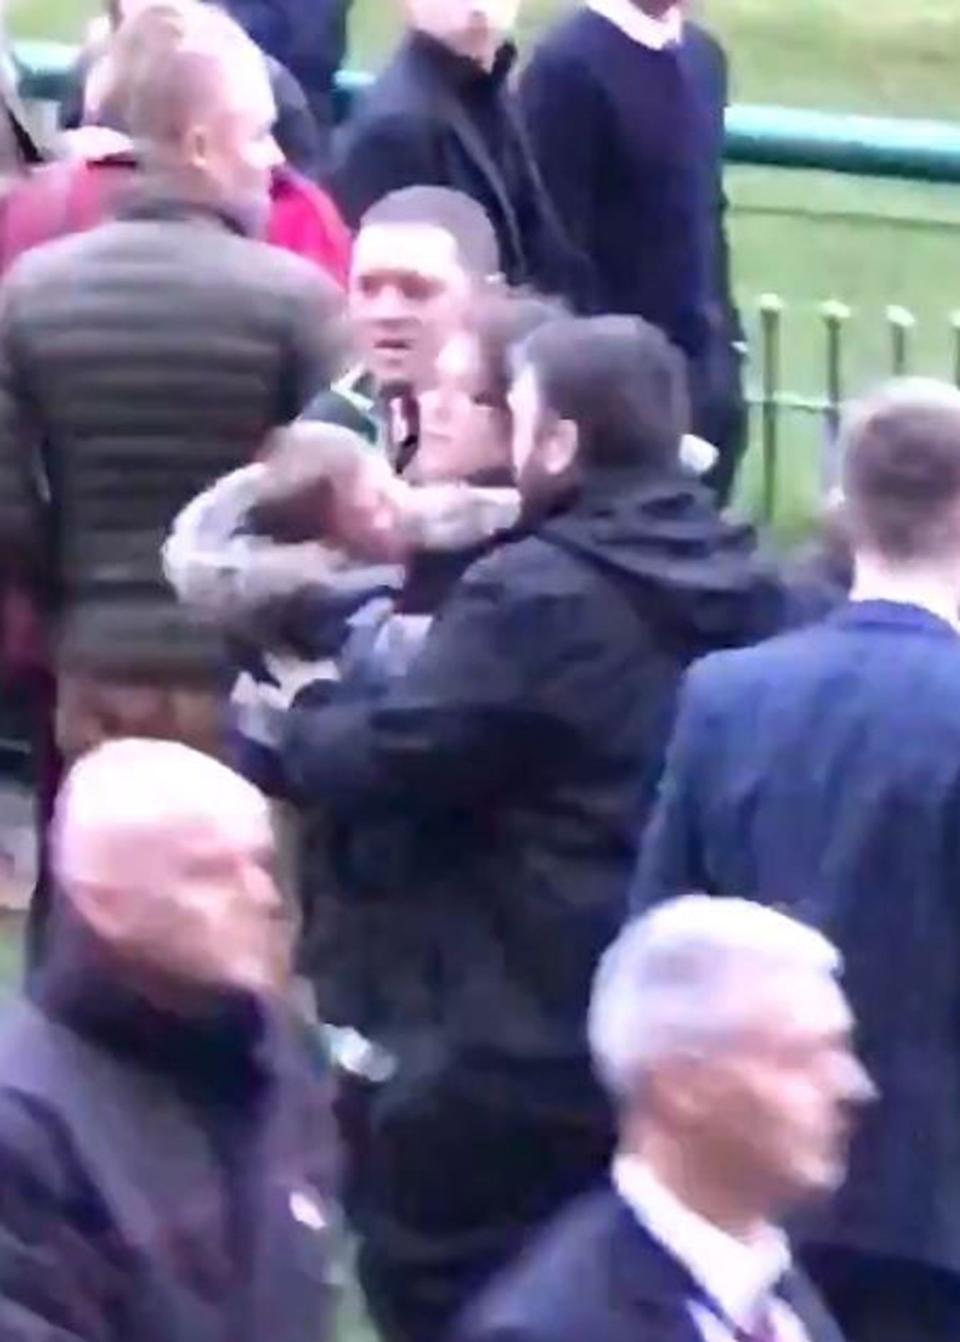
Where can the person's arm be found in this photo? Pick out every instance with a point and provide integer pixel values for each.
(561, 111)
(57, 1278)
(456, 727)
(672, 859)
(378, 155)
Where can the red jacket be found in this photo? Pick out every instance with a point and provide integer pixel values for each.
(74, 195)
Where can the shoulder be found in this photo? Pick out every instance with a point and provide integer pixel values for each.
(706, 48)
(560, 1286)
(530, 570)
(737, 672)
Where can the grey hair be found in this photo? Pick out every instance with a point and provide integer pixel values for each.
(677, 980)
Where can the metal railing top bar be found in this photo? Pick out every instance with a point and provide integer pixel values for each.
(781, 137)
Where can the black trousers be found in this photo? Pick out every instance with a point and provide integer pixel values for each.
(446, 1179)
(877, 1299)
(719, 412)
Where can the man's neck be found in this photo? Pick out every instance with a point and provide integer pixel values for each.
(703, 1192)
(927, 586)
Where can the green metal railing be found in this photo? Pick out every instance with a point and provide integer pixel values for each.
(775, 137)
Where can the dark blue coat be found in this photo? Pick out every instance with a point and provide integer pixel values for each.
(597, 1276)
(820, 773)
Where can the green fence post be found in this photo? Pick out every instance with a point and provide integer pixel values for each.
(771, 313)
(901, 323)
(835, 316)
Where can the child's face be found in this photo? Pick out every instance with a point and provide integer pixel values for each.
(366, 518)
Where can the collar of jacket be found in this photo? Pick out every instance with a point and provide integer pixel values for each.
(157, 203)
(461, 72)
(219, 1045)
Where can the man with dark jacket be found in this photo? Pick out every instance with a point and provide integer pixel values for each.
(442, 114)
(164, 1153)
(524, 744)
(821, 773)
(624, 101)
(307, 37)
(139, 361)
(734, 1109)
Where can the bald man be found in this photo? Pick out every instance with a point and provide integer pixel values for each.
(162, 1149)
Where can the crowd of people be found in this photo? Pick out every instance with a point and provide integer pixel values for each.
(464, 846)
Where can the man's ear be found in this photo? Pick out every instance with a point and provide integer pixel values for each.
(561, 448)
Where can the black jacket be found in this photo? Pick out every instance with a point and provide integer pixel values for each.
(522, 751)
(820, 773)
(162, 1179)
(138, 362)
(597, 1274)
(434, 118)
(309, 37)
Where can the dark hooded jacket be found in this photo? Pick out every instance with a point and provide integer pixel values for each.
(523, 748)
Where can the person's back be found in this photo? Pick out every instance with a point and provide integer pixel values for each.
(145, 358)
(821, 773)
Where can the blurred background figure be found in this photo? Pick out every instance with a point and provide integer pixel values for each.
(820, 773)
(442, 114)
(164, 1156)
(639, 187)
(734, 1108)
(102, 161)
(140, 360)
(309, 38)
(19, 149)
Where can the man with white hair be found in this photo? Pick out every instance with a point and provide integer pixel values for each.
(162, 1153)
(820, 772)
(734, 1107)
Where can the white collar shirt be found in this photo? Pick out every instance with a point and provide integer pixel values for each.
(736, 1277)
(655, 33)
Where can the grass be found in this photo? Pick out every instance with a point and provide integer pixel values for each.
(808, 237)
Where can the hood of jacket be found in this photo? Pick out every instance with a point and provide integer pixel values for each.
(688, 567)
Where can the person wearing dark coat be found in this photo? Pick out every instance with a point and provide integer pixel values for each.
(523, 745)
(309, 39)
(733, 1111)
(820, 773)
(165, 1156)
(639, 185)
(442, 114)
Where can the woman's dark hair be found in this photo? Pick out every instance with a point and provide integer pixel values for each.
(500, 322)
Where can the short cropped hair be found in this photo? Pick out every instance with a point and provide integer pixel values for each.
(170, 56)
(619, 380)
(500, 321)
(459, 215)
(901, 469)
(677, 980)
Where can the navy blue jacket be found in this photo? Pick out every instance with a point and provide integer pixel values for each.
(597, 1276)
(820, 773)
(630, 145)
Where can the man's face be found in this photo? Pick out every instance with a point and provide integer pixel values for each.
(774, 1107)
(196, 904)
(461, 433)
(233, 147)
(473, 28)
(544, 449)
(408, 294)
